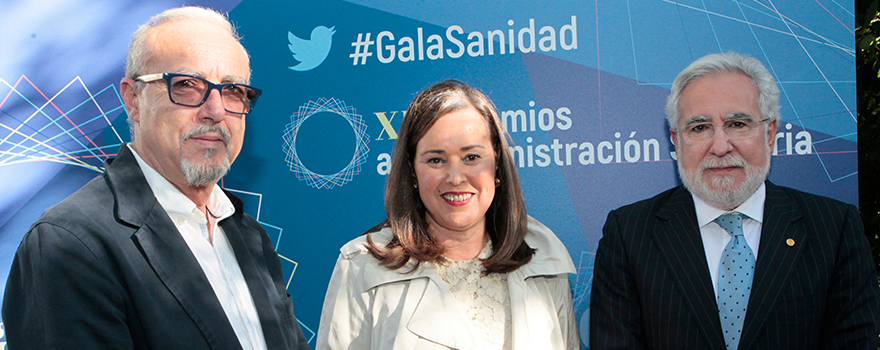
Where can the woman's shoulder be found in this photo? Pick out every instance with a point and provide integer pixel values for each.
(367, 271)
(540, 236)
(551, 255)
(358, 246)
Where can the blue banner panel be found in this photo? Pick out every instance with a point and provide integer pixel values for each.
(581, 88)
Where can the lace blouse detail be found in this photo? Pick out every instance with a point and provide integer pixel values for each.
(485, 300)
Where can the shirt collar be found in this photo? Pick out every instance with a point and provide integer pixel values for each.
(752, 207)
(174, 201)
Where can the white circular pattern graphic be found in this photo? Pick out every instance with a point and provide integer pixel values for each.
(359, 157)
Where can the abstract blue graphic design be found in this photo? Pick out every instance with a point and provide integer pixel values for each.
(361, 150)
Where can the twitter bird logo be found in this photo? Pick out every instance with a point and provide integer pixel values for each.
(311, 53)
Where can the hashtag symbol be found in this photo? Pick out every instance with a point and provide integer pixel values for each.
(361, 49)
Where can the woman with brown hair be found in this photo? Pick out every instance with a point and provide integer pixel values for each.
(458, 263)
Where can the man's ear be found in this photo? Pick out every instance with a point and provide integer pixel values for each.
(129, 98)
(771, 134)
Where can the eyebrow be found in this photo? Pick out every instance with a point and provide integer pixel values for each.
(733, 116)
(438, 151)
(234, 79)
(465, 148)
(468, 148)
(738, 116)
(698, 119)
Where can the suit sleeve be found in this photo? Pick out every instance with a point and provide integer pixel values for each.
(615, 315)
(344, 323)
(61, 294)
(853, 296)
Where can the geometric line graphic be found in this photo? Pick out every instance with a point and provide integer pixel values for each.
(770, 13)
(64, 128)
(259, 202)
(774, 14)
(580, 291)
(307, 330)
(266, 226)
(766, 20)
(359, 157)
(285, 260)
(295, 264)
(583, 283)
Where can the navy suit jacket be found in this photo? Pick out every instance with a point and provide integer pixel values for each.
(107, 269)
(652, 288)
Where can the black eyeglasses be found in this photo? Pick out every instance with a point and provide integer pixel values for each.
(187, 90)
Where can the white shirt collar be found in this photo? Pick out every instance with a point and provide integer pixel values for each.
(174, 201)
(752, 207)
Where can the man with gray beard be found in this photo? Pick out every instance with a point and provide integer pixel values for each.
(153, 254)
(730, 260)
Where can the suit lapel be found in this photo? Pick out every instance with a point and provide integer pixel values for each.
(679, 241)
(176, 266)
(166, 251)
(775, 259)
(258, 281)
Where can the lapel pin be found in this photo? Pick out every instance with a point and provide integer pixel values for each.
(790, 242)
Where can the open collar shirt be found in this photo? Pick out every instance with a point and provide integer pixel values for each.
(216, 258)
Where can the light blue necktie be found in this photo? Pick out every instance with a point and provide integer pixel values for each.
(735, 279)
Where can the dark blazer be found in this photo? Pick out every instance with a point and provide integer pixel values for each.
(107, 269)
(652, 288)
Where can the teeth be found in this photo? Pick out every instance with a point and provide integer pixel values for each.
(458, 197)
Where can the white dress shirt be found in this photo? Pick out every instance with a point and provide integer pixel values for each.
(217, 260)
(715, 238)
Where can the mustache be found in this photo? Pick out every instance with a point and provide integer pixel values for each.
(724, 162)
(204, 129)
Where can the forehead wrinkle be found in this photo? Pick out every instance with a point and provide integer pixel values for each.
(185, 71)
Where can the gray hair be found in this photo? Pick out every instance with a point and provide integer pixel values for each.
(729, 62)
(139, 53)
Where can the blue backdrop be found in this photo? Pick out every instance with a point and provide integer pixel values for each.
(581, 87)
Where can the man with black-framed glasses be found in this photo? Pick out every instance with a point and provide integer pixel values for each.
(153, 254)
(730, 260)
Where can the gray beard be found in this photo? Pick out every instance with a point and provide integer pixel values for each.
(724, 197)
(198, 175)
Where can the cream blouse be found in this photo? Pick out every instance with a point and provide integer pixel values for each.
(485, 300)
